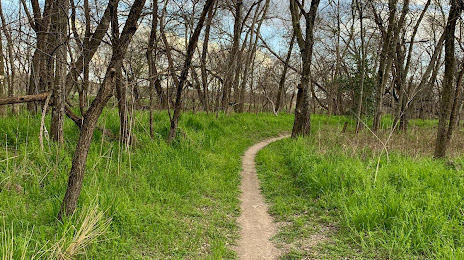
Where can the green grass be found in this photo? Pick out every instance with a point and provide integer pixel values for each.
(176, 201)
(411, 208)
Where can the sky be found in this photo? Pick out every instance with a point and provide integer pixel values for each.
(275, 30)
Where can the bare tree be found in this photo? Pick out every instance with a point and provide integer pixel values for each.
(253, 44)
(233, 57)
(302, 123)
(446, 117)
(386, 57)
(125, 136)
(90, 44)
(12, 77)
(60, 30)
(153, 77)
(204, 53)
(362, 65)
(76, 176)
(40, 23)
(2, 77)
(187, 63)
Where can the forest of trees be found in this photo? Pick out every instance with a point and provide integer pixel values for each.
(363, 58)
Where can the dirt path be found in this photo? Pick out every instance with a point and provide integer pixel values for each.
(257, 226)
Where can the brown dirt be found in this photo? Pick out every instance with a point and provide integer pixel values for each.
(257, 226)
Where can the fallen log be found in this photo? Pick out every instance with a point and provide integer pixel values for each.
(40, 97)
(23, 99)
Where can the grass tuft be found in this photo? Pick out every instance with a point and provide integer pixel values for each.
(92, 225)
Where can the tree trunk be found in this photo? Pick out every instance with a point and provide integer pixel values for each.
(232, 63)
(302, 123)
(362, 66)
(61, 30)
(155, 85)
(204, 53)
(400, 69)
(290, 105)
(448, 82)
(456, 108)
(2, 77)
(407, 100)
(283, 77)
(121, 84)
(200, 92)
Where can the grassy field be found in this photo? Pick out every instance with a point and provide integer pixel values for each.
(341, 195)
(153, 201)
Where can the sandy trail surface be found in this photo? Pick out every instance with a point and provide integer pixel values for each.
(257, 226)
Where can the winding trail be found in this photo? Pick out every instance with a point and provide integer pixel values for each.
(257, 226)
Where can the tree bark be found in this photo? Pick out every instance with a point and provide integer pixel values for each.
(155, 84)
(23, 99)
(362, 67)
(60, 24)
(121, 84)
(197, 85)
(302, 123)
(444, 118)
(456, 107)
(2, 77)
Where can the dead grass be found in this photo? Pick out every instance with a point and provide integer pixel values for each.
(93, 225)
(417, 141)
(312, 241)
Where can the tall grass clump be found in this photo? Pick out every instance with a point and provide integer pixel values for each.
(164, 201)
(75, 239)
(409, 206)
(18, 247)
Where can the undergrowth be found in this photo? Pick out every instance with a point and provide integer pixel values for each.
(405, 206)
(154, 200)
